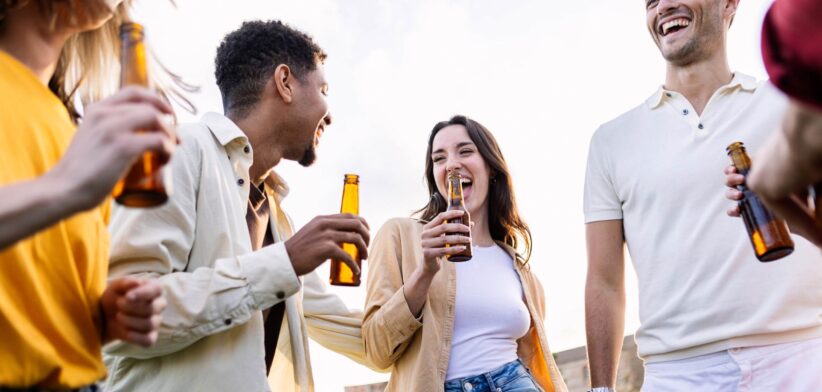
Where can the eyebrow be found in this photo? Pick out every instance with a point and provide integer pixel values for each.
(462, 144)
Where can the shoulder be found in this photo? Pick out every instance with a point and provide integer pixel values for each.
(619, 126)
(399, 227)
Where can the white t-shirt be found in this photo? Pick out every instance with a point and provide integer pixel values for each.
(490, 314)
(659, 168)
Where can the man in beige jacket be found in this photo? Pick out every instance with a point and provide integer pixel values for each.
(241, 291)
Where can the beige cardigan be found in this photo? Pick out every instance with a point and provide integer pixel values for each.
(419, 350)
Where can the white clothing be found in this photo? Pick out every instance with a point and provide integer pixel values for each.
(197, 245)
(490, 313)
(659, 168)
(785, 367)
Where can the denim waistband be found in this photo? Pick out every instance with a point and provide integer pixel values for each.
(498, 376)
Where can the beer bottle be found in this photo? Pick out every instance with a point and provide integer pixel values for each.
(769, 236)
(341, 274)
(143, 185)
(456, 202)
(817, 203)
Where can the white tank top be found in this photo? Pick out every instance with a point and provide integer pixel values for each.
(490, 314)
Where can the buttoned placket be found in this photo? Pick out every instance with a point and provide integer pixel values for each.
(240, 157)
(684, 108)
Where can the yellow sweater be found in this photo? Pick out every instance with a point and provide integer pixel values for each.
(51, 282)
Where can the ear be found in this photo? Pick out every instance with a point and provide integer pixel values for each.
(730, 8)
(283, 80)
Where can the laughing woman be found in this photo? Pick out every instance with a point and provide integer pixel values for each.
(472, 326)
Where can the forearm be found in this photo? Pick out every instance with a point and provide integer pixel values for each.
(416, 290)
(604, 324)
(31, 206)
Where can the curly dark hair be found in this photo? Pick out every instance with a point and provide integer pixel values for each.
(248, 56)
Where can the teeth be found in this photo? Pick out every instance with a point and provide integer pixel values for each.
(676, 22)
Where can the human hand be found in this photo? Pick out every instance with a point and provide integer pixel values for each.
(131, 309)
(437, 233)
(113, 134)
(320, 240)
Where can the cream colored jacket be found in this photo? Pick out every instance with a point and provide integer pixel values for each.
(419, 351)
(198, 246)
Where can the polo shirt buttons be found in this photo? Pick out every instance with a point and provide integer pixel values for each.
(240, 182)
(685, 112)
(700, 126)
(280, 294)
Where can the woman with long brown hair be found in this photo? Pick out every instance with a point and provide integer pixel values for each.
(475, 325)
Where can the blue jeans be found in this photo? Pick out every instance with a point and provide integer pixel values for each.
(511, 377)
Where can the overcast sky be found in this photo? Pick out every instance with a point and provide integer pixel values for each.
(541, 75)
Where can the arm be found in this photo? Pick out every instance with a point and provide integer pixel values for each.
(78, 183)
(331, 323)
(205, 301)
(388, 324)
(604, 300)
(393, 310)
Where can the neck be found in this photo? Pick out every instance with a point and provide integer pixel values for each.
(28, 38)
(699, 80)
(264, 141)
(480, 232)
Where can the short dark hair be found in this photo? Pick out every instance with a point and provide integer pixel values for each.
(248, 56)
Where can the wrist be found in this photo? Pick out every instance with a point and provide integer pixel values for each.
(62, 192)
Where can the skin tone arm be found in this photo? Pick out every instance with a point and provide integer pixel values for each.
(604, 300)
(79, 183)
(433, 246)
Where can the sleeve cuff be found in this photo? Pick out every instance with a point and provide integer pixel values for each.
(270, 275)
(401, 321)
(596, 216)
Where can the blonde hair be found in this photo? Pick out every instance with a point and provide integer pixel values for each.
(90, 62)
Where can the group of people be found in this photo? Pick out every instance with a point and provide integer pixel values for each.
(216, 290)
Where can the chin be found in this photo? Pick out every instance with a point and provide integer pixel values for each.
(308, 158)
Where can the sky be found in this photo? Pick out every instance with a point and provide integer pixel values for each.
(541, 75)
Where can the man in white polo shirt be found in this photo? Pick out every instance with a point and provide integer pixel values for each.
(713, 318)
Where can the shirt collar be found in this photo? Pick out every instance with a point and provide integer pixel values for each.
(739, 80)
(276, 186)
(223, 128)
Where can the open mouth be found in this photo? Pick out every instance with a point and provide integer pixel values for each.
(467, 184)
(672, 26)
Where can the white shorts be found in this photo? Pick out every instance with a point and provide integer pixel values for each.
(786, 367)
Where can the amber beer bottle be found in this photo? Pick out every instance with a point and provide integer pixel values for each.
(456, 202)
(143, 185)
(769, 236)
(341, 274)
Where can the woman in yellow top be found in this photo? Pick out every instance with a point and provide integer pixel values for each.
(469, 326)
(56, 309)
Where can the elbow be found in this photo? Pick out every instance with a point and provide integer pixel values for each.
(374, 352)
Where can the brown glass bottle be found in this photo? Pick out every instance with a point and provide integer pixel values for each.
(456, 202)
(143, 185)
(341, 274)
(817, 203)
(769, 236)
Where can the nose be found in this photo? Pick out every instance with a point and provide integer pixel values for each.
(666, 6)
(453, 163)
(327, 119)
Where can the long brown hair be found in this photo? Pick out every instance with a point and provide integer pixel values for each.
(504, 220)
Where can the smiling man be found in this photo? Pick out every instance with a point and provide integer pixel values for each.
(243, 297)
(713, 318)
